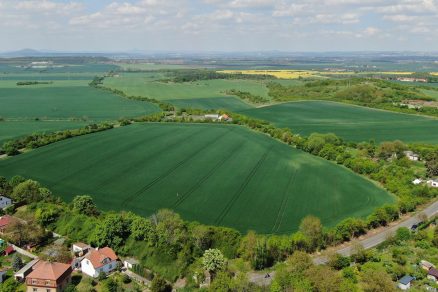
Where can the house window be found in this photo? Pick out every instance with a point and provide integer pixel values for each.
(47, 290)
(34, 282)
(110, 266)
(35, 289)
(47, 283)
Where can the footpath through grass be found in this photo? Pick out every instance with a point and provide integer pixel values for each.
(350, 122)
(215, 174)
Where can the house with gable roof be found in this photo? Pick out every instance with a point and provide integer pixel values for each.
(98, 260)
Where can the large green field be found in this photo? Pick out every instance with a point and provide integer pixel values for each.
(68, 102)
(350, 122)
(64, 103)
(215, 174)
(10, 130)
(200, 94)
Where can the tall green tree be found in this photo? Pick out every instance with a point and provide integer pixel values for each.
(312, 228)
(85, 205)
(213, 261)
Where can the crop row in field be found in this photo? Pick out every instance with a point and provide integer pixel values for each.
(221, 174)
(350, 122)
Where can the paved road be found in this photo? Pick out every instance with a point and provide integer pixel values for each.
(380, 237)
(367, 243)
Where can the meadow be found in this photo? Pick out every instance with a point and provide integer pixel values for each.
(352, 123)
(215, 174)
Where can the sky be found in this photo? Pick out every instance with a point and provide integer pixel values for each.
(219, 25)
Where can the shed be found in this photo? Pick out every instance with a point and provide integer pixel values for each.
(129, 263)
(433, 183)
(405, 282)
(433, 274)
(417, 181)
(80, 248)
(9, 250)
(3, 274)
(26, 270)
(425, 265)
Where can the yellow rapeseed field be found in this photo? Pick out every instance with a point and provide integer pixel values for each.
(281, 74)
(295, 74)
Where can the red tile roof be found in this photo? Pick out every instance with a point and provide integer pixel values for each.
(5, 220)
(98, 256)
(49, 271)
(10, 249)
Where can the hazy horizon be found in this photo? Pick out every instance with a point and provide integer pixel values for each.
(220, 25)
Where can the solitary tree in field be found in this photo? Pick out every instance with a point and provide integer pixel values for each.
(213, 261)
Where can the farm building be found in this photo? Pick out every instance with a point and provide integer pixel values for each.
(225, 118)
(405, 282)
(99, 260)
(47, 276)
(5, 202)
(412, 156)
(213, 117)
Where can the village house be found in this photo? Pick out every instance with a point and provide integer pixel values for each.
(412, 156)
(405, 282)
(80, 248)
(98, 261)
(5, 202)
(48, 277)
(225, 118)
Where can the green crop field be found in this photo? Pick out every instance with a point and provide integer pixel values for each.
(66, 102)
(200, 94)
(14, 129)
(215, 174)
(350, 122)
